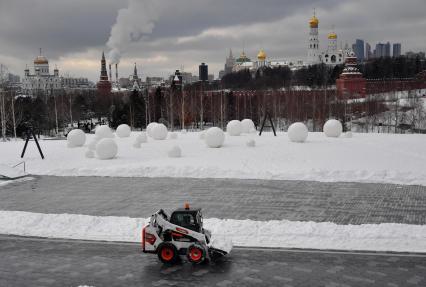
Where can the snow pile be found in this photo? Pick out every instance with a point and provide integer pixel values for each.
(137, 144)
(184, 131)
(123, 131)
(175, 151)
(102, 132)
(333, 128)
(92, 144)
(234, 128)
(10, 172)
(173, 135)
(76, 138)
(149, 128)
(251, 143)
(221, 242)
(202, 135)
(214, 137)
(141, 138)
(159, 132)
(247, 126)
(348, 135)
(106, 149)
(89, 153)
(274, 233)
(298, 132)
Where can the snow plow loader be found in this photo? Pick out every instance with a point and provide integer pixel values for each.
(181, 236)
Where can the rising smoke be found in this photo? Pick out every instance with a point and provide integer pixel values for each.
(132, 24)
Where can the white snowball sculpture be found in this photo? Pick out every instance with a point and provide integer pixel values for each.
(141, 138)
(123, 131)
(297, 132)
(333, 128)
(251, 143)
(214, 137)
(175, 151)
(149, 128)
(90, 154)
(248, 126)
(106, 149)
(92, 144)
(159, 132)
(102, 132)
(76, 138)
(173, 135)
(234, 128)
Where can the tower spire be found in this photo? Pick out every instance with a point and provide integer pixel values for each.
(104, 74)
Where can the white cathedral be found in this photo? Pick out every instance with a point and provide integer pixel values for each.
(332, 55)
(41, 81)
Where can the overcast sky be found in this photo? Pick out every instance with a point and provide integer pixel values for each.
(164, 35)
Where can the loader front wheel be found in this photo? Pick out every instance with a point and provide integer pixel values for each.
(196, 254)
(167, 253)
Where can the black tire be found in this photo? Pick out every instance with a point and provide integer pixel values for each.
(196, 254)
(167, 253)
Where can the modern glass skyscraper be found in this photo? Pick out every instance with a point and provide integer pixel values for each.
(359, 49)
(396, 50)
(387, 49)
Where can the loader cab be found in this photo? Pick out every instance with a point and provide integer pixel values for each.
(190, 218)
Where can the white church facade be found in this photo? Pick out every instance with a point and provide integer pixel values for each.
(40, 81)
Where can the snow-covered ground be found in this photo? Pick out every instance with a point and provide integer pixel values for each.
(392, 158)
(283, 233)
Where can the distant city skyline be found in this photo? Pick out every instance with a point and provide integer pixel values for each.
(166, 36)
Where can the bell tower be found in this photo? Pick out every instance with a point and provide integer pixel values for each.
(313, 48)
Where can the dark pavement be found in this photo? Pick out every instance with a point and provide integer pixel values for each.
(341, 203)
(41, 262)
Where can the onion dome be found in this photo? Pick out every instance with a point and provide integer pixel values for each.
(261, 56)
(332, 36)
(41, 60)
(243, 58)
(313, 22)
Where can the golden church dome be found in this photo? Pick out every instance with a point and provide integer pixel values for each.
(332, 35)
(41, 60)
(261, 56)
(313, 22)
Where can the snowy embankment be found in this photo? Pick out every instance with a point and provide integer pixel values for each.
(383, 158)
(287, 234)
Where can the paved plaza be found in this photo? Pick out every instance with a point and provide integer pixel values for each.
(41, 262)
(341, 203)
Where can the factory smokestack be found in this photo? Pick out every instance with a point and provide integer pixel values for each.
(110, 74)
(116, 73)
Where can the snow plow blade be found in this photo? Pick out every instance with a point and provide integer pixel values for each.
(216, 253)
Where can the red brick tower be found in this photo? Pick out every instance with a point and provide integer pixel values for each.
(351, 83)
(104, 85)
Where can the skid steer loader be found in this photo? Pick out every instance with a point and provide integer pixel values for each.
(180, 236)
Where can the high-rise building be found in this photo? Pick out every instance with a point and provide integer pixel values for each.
(387, 49)
(203, 72)
(396, 50)
(358, 48)
(380, 50)
(230, 63)
(368, 54)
